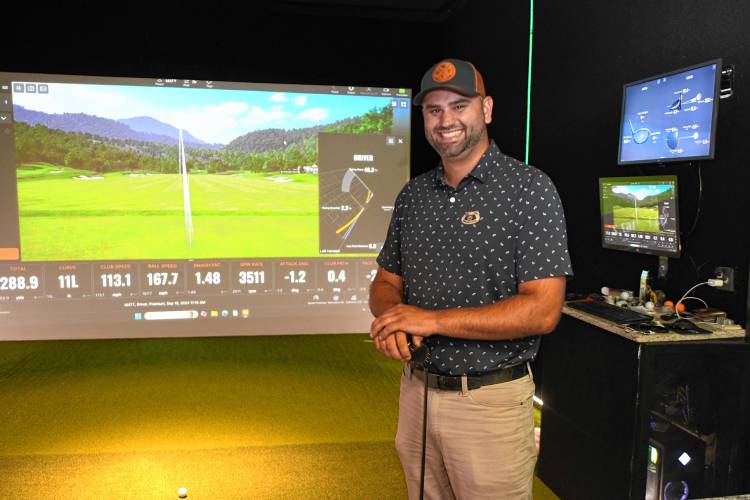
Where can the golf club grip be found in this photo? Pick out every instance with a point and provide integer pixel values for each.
(419, 354)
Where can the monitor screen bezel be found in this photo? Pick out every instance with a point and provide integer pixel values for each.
(647, 251)
(714, 115)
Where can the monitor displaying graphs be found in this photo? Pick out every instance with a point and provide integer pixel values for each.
(162, 207)
(671, 117)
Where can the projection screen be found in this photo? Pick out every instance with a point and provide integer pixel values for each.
(165, 207)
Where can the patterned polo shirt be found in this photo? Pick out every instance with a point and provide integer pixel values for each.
(472, 245)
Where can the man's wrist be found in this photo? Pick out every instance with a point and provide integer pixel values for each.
(383, 307)
(438, 322)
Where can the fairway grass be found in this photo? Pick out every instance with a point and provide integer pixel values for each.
(162, 237)
(136, 217)
(645, 219)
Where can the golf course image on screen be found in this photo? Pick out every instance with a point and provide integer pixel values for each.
(637, 219)
(639, 207)
(125, 172)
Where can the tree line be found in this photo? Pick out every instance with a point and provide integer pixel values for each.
(38, 143)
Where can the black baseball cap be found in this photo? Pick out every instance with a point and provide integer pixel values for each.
(452, 74)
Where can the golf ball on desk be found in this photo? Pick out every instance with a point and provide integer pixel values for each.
(182, 492)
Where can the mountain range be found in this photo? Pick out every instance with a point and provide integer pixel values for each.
(276, 138)
(651, 200)
(146, 128)
(139, 128)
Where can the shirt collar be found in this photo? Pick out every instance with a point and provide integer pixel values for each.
(479, 172)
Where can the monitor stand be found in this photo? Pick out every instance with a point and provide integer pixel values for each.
(663, 267)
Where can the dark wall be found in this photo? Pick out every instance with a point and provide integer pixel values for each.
(583, 55)
(176, 40)
(494, 36)
(266, 45)
(229, 44)
(234, 44)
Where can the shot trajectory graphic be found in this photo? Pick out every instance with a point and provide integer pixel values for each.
(663, 215)
(185, 191)
(360, 195)
(346, 198)
(356, 194)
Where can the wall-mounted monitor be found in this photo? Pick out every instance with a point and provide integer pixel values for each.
(640, 214)
(670, 117)
(135, 207)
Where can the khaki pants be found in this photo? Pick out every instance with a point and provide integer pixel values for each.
(480, 443)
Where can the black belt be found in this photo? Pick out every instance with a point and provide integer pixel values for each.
(453, 382)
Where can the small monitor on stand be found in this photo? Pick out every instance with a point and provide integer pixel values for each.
(640, 214)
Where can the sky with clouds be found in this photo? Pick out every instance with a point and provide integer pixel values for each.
(211, 115)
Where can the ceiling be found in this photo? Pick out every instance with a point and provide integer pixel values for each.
(429, 11)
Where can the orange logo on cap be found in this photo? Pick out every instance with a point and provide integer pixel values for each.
(443, 72)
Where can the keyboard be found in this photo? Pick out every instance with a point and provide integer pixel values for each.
(615, 314)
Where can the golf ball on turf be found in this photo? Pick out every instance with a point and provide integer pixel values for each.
(182, 492)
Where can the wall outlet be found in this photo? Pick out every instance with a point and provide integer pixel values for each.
(727, 275)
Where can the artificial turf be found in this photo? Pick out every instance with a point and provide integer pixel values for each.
(308, 416)
(276, 417)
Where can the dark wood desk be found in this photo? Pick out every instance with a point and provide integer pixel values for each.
(608, 394)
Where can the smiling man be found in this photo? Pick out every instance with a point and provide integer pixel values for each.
(473, 266)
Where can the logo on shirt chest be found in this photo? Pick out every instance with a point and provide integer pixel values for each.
(471, 217)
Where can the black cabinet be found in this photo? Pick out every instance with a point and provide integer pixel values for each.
(621, 416)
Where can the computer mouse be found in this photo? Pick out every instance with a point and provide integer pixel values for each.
(682, 324)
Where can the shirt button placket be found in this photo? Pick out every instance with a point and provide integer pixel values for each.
(451, 206)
